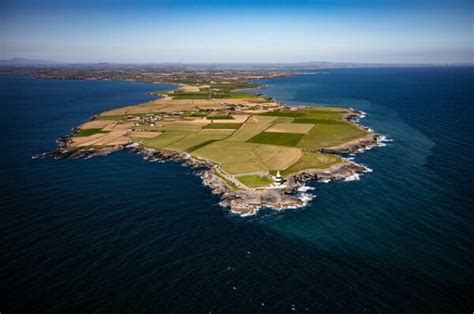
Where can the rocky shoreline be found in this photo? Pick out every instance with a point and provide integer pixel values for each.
(242, 202)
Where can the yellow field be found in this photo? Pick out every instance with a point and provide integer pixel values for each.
(95, 124)
(301, 128)
(163, 140)
(226, 132)
(180, 127)
(277, 157)
(142, 135)
(190, 141)
(313, 161)
(255, 125)
(331, 135)
(245, 167)
(240, 157)
(284, 120)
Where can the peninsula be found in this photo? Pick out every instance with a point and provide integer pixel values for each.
(250, 149)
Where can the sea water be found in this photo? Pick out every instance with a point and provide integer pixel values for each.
(120, 233)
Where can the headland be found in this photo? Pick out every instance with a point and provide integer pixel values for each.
(248, 148)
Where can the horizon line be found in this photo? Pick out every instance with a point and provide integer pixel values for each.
(52, 62)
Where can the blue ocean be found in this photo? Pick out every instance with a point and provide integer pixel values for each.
(121, 234)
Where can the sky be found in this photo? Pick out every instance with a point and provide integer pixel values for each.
(144, 31)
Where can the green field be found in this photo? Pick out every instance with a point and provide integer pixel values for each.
(293, 114)
(284, 120)
(255, 181)
(330, 130)
(198, 114)
(216, 91)
(330, 135)
(226, 132)
(249, 130)
(220, 118)
(317, 121)
(179, 128)
(284, 139)
(190, 96)
(87, 132)
(241, 157)
(312, 161)
(163, 140)
(223, 126)
(240, 95)
(194, 141)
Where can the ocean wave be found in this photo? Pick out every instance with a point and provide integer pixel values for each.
(306, 198)
(305, 188)
(324, 180)
(354, 177)
(384, 139)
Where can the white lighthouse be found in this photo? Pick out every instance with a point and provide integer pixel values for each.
(277, 178)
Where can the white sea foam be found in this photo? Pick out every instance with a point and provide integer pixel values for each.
(305, 188)
(306, 198)
(252, 213)
(354, 177)
(366, 148)
(367, 169)
(324, 180)
(384, 139)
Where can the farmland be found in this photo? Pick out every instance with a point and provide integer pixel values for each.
(284, 139)
(247, 136)
(89, 132)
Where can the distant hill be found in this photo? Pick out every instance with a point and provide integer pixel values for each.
(27, 62)
(250, 66)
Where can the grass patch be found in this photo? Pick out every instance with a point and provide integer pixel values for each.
(220, 118)
(276, 157)
(162, 140)
(190, 149)
(255, 181)
(300, 128)
(317, 121)
(249, 130)
(234, 157)
(190, 96)
(223, 126)
(199, 114)
(293, 114)
(241, 95)
(283, 139)
(194, 141)
(313, 161)
(284, 120)
(88, 132)
(330, 135)
(229, 183)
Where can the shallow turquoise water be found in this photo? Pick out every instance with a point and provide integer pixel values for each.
(122, 234)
